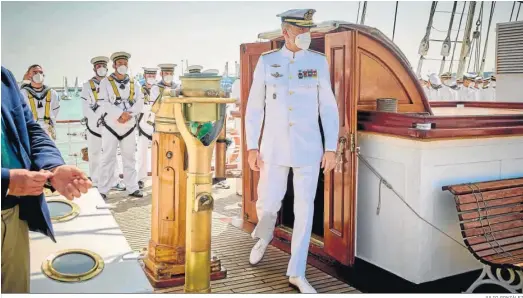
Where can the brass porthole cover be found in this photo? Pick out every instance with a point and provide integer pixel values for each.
(73, 265)
(62, 210)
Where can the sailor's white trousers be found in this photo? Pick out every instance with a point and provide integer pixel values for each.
(272, 187)
(143, 157)
(108, 162)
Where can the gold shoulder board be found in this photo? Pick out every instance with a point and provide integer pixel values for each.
(271, 51)
(320, 53)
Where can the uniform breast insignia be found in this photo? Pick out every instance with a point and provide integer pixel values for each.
(307, 73)
(276, 75)
(275, 65)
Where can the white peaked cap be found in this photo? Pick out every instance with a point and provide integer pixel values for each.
(99, 59)
(120, 55)
(434, 79)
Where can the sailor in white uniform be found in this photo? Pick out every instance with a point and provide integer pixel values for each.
(167, 74)
(478, 87)
(448, 92)
(121, 100)
(92, 114)
(489, 94)
(436, 88)
(44, 101)
(467, 91)
(292, 87)
(423, 81)
(145, 125)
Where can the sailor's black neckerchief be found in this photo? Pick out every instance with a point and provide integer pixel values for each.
(33, 91)
(164, 85)
(95, 80)
(121, 82)
(436, 87)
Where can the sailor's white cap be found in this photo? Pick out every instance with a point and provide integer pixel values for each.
(99, 59)
(194, 68)
(469, 76)
(120, 55)
(167, 66)
(150, 70)
(479, 79)
(446, 75)
(434, 79)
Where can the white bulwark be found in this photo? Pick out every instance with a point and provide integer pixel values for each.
(96, 230)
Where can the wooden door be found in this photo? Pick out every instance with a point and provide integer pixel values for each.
(340, 186)
(249, 55)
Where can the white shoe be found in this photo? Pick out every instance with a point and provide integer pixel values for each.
(258, 251)
(301, 284)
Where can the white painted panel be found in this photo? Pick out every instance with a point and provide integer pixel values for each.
(95, 230)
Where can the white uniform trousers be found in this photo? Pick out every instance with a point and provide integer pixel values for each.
(94, 144)
(108, 162)
(272, 187)
(143, 157)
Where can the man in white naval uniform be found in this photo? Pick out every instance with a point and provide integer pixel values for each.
(145, 125)
(447, 91)
(44, 101)
(92, 114)
(167, 74)
(489, 94)
(436, 88)
(467, 91)
(121, 100)
(293, 86)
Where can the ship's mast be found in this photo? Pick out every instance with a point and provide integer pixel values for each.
(465, 46)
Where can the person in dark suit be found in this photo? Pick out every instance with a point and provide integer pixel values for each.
(30, 162)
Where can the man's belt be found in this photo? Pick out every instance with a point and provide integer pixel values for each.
(114, 133)
(141, 131)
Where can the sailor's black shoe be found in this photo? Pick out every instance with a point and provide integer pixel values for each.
(141, 184)
(137, 194)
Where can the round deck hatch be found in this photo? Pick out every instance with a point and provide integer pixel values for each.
(62, 210)
(73, 265)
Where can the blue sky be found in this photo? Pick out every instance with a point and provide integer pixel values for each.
(64, 36)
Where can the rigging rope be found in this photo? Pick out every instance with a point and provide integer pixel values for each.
(512, 12)
(395, 15)
(492, 8)
(476, 42)
(517, 15)
(358, 15)
(457, 35)
(389, 186)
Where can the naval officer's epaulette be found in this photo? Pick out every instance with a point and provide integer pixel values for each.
(271, 51)
(316, 52)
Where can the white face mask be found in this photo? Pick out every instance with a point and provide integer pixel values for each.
(101, 72)
(480, 86)
(38, 78)
(151, 81)
(122, 69)
(303, 41)
(168, 79)
(492, 84)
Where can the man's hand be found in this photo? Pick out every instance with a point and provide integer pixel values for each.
(70, 182)
(27, 183)
(124, 117)
(254, 160)
(328, 161)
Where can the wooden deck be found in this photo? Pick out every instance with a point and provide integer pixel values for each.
(231, 244)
